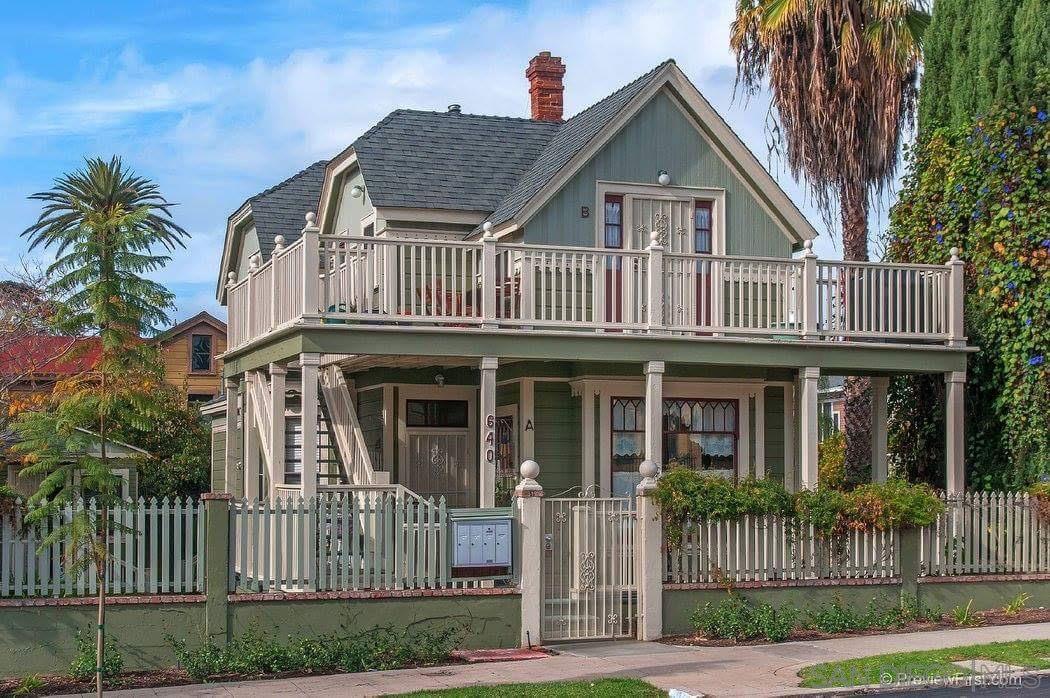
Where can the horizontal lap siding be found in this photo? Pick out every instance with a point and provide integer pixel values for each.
(659, 137)
(218, 458)
(370, 415)
(557, 415)
(774, 432)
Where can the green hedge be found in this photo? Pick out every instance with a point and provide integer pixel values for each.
(686, 494)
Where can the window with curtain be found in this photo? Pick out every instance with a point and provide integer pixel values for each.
(701, 435)
(702, 227)
(628, 444)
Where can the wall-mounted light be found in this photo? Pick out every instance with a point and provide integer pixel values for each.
(663, 178)
(440, 380)
(357, 191)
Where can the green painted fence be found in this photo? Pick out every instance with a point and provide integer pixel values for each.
(382, 538)
(154, 547)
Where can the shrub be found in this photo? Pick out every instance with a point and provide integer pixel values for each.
(683, 493)
(83, 665)
(736, 619)
(871, 506)
(831, 460)
(837, 617)
(378, 649)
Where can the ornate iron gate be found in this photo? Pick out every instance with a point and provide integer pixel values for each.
(588, 569)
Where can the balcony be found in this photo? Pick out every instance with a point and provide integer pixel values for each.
(334, 279)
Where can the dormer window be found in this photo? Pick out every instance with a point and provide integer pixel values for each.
(200, 353)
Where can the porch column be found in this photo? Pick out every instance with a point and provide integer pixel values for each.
(487, 433)
(654, 403)
(648, 560)
(278, 378)
(808, 427)
(954, 438)
(309, 364)
(587, 435)
(879, 428)
(231, 436)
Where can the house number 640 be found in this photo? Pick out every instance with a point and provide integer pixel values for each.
(490, 439)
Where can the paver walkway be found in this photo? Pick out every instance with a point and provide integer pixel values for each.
(766, 670)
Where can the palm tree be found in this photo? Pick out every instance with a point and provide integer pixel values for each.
(844, 81)
(104, 224)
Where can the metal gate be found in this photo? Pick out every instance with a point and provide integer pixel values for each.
(588, 569)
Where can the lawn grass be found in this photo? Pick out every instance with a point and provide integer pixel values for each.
(601, 688)
(929, 664)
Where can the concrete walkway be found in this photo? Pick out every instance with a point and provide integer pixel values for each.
(766, 670)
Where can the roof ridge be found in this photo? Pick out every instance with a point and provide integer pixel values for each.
(275, 187)
(648, 75)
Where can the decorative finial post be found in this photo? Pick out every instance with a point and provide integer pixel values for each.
(231, 279)
(528, 487)
(278, 244)
(648, 470)
(809, 291)
(956, 331)
(654, 305)
(488, 277)
(487, 228)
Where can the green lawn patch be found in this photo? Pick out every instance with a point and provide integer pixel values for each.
(929, 664)
(613, 688)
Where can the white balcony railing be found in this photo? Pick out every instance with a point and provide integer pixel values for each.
(328, 279)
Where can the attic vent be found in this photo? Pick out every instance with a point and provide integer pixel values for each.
(454, 109)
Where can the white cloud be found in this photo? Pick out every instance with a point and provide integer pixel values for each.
(212, 135)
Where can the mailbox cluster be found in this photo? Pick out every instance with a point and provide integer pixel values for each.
(481, 547)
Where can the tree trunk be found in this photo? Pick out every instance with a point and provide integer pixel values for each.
(102, 555)
(853, 201)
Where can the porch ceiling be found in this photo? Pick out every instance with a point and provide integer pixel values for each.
(464, 346)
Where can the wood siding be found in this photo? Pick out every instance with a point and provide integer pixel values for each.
(557, 437)
(660, 137)
(175, 353)
(774, 432)
(218, 455)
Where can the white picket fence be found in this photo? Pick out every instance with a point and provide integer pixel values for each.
(765, 548)
(987, 533)
(155, 547)
(373, 538)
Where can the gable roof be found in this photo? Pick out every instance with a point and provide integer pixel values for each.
(203, 316)
(281, 209)
(572, 137)
(448, 160)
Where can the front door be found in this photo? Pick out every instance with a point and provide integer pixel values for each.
(437, 453)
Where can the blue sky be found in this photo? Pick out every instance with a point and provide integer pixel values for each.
(218, 100)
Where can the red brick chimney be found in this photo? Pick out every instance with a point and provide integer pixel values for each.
(545, 87)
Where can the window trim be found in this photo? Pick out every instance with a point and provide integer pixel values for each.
(426, 400)
(735, 431)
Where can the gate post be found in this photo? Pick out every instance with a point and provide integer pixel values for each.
(528, 510)
(649, 568)
(217, 565)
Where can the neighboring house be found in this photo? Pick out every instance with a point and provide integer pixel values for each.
(832, 405)
(190, 352)
(124, 456)
(30, 365)
(627, 284)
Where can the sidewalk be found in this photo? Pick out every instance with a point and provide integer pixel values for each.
(766, 670)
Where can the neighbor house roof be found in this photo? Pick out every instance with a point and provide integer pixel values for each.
(203, 316)
(49, 355)
(448, 160)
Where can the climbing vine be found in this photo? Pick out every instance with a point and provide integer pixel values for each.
(985, 190)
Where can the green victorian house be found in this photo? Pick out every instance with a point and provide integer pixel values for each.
(472, 291)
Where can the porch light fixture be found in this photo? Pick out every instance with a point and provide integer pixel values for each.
(663, 178)
(440, 380)
(357, 191)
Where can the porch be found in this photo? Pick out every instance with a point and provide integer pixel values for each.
(453, 426)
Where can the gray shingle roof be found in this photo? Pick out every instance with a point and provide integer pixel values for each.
(572, 137)
(444, 160)
(281, 209)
